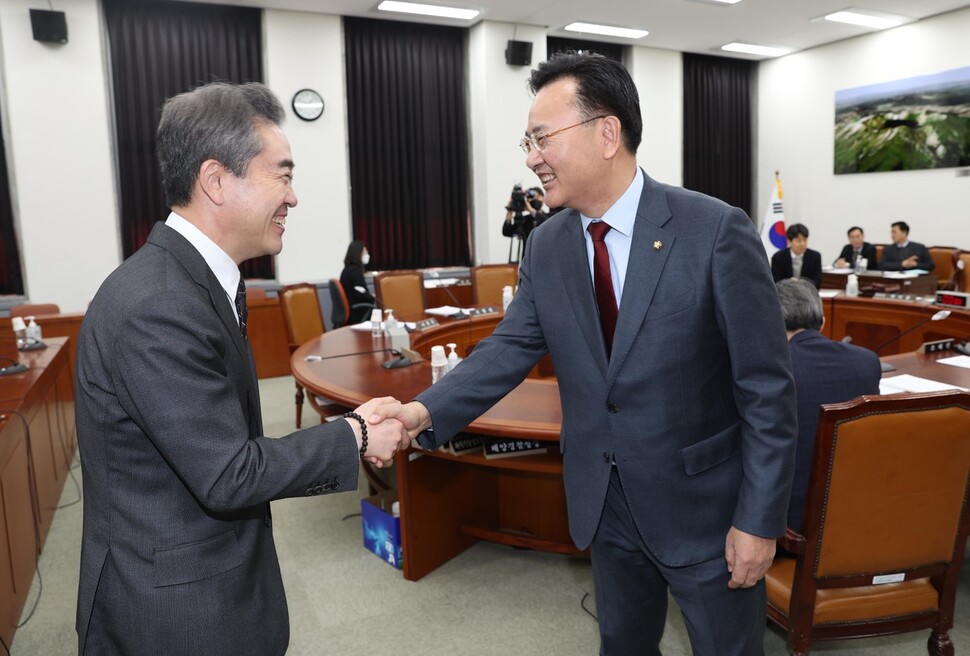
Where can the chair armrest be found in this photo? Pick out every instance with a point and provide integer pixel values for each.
(792, 542)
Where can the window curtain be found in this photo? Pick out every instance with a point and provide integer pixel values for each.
(408, 139)
(11, 279)
(719, 96)
(159, 49)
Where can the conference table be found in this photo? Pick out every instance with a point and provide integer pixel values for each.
(449, 502)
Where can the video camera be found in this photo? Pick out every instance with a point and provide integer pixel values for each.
(519, 198)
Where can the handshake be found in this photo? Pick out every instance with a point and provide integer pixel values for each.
(391, 426)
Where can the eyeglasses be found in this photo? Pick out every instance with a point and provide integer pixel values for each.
(538, 141)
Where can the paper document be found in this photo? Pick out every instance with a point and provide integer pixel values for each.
(831, 269)
(956, 361)
(440, 282)
(444, 310)
(829, 293)
(907, 383)
(900, 275)
(365, 326)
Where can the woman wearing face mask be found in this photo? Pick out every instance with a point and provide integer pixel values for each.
(352, 278)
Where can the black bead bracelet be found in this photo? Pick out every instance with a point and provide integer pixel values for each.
(363, 430)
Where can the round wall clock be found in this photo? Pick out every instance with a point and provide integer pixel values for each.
(308, 104)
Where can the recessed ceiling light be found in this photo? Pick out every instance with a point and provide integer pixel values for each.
(750, 49)
(727, 2)
(856, 17)
(428, 10)
(606, 30)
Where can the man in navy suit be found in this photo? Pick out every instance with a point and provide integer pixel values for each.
(904, 254)
(798, 260)
(678, 405)
(857, 248)
(177, 552)
(825, 372)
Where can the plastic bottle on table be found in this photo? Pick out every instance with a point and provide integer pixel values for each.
(375, 322)
(453, 358)
(33, 331)
(852, 285)
(439, 363)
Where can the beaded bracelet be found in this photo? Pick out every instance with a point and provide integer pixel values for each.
(363, 430)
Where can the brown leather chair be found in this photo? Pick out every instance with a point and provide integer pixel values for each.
(34, 309)
(401, 291)
(303, 321)
(945, 258)
(879, 249)
(488, 281)
(961, 273)
(886, 523)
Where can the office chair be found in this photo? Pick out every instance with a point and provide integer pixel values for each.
(488, 281)
(303, 321)
(961, 275)
(401, 291)
(945, 258)
(342, 309)
(886, 523)
(34, 309)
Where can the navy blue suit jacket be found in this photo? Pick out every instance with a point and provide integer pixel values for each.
(825, 372)
(696, 404)
(781, 268)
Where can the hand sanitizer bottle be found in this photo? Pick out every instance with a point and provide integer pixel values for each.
(439, 363)
(453, 358)
(852, 285)
(33, 331)
(375, 323)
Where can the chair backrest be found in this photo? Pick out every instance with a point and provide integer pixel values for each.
(879, 249)
(488, 281)
(401, 291)
(961, 276)
(340, 313)
(255, 294)
(301, 313)
(886, 467)
(945, 259)
(34, 309)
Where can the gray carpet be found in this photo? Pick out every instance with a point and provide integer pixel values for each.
(344, 600)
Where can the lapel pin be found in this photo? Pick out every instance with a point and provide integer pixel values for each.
(657, 245)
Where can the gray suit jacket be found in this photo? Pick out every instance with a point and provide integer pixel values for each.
(177, 553)
(696, 404)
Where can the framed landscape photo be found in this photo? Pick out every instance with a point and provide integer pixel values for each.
(916, 123)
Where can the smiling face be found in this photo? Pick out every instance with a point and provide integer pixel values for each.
(258, 202)
(571, 161)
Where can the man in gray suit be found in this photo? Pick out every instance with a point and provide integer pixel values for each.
(678, 428)
(177, 553)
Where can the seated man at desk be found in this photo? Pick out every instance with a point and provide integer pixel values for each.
(904, 254)
(857, 248)
(825, 372)
(798, 260)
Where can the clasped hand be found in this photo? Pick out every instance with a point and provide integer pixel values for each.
(391, 426)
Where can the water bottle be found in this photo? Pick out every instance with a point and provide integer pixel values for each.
(439, 363)
(453, 358)
(852, 285)
(375, 323)
(506, 297)
(861, 264)
(20, 330)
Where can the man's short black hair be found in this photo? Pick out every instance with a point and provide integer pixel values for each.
(853, 229)
(603, 86)
(902, 225)
(796, 230)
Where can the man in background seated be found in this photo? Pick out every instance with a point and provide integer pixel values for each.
(904, 254)
(798, 260)
(825, 372)
(857, 248)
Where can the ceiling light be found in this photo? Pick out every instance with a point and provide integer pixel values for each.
(749, 49)
(855, 17)
(428, 10)
(606, 30)
(727, 2)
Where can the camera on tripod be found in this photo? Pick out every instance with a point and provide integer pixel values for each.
(519, 198)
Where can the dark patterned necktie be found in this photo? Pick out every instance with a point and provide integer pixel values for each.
(241, 306)
(603, 282)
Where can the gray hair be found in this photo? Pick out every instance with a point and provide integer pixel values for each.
(801, 306)
(215, 121)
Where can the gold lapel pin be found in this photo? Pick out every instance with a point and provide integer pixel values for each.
(657, 245)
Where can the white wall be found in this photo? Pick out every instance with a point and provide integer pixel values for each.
(59, 153)
(306, 50)
(658, 75)
(796, 117)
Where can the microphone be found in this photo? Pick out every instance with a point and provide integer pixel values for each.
(962, 347)
(14, 368)
(401, 361)
(460, 314)
(939, 316)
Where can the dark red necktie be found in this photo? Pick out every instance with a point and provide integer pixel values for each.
(603, 282)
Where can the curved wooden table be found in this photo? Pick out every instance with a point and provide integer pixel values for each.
(450, 502)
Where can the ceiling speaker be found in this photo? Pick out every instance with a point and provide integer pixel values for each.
(519, 53)
(48, 26)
